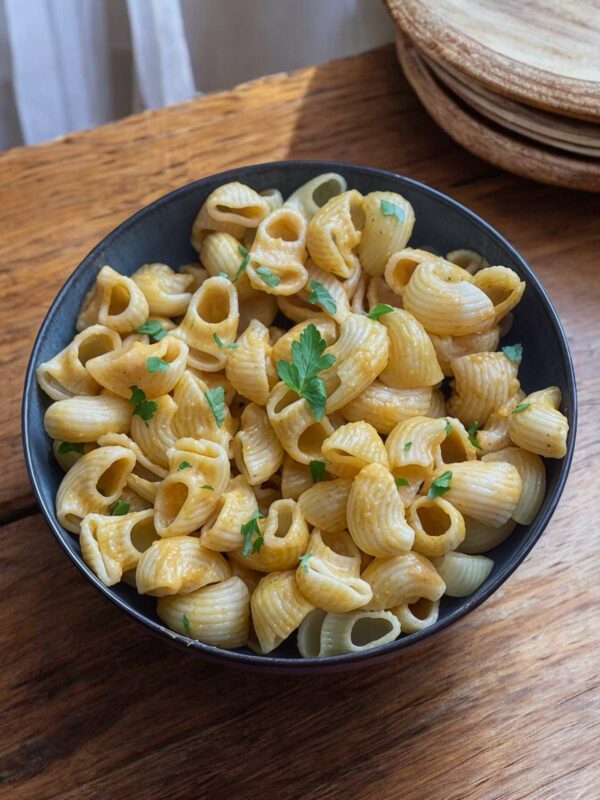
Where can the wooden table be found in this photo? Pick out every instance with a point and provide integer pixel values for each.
(503, 706)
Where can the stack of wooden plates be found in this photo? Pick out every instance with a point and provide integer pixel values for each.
(516, 83)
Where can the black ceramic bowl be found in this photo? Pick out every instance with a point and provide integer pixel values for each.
(161, 232)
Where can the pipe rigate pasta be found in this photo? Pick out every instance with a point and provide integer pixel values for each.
(280, 435)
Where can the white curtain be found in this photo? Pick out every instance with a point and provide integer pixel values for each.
(72, 64)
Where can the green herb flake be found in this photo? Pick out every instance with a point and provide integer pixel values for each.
(300, 375)
(216, 401)
(142, 407)
(400, 481)
(153, 328)
(184, 465)
(317, 470)
(208, 486)
(440, 485)
(514, 352)
(156, 364)
(319, 296)
(250, 529)
(268, 277)
(304, 561)
(223, 274)
(448, 427)
(520, 407)
(186, 625)
(379, 310)
(389, 209)
(70, 447)
(471, 430)
(118, 508)
(407, 447)
(243, 263)
(221, 343)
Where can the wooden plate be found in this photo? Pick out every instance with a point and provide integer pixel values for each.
(572, 135)
(483, 139)
(544, 53)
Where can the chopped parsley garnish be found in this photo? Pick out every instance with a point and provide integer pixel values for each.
(243, 263)
(208, 486)
(471, 430)
(407, 447)
(514, 352)
(379, 310)
(156, 364)
(317, 470)
(520, 407)
(70, 447)
(389, 209)
(440, 485)
(186, 625)
(400, 481)
(118, 508)
(448, 427)
(142, 407)
(268, 277)
(304, 561)
(216, 401)
(320, 296)
(250, 529)
(184, 465)
(221, 343)
(300, 375)
(153, 328)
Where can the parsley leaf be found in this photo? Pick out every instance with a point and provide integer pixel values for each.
(70, 447)
(304, 561)
(268, 277)
(153, 328)
(208, 486)
(142, 407)
(156, 364)
(448, 427)
(400, 481)
(440, 485)
(379, 310)
(186, 625)
(514, 352)
(301, 373)
(407, 447)
(248, 530)
(118, 508)
(520, 407)
(471, 430)
(216, 401)
(320, 296)
(221, 343)
(317, 470)
(389, 209)
(184, 465)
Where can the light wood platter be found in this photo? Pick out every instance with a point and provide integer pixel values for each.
(574, 136)
(545, 53)
(501, 148)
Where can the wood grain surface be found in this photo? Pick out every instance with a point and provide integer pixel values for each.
(541, 52)
(502, 706)
(493, 143)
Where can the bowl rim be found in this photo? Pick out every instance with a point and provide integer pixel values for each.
(344, 661)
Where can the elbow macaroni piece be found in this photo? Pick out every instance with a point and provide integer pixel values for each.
(384, 407)
(482, 383)
(540, 428)
(389, 220)
(179, 565)
(334, 233)
(402, 578)
(324, 504)
(401, 265)
(114, 301)
(284, 535)
(463, 574)
(84, 419)
(295, 478)
(217, 614)
(417, 615)
(412, 361)
(249, 368)
(256, 449)
(439, 527)
(375, 514)
(533, 475)
(301, 436)
(222, 530)
(278, 608)
(311, 196)
(480, 538)
(164, 289)
(143, 480)
(351, 447)
(322, 634)
(280, 247)
(448, 348)
(223, 255)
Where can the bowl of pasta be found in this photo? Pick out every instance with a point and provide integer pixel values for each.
(300, 415)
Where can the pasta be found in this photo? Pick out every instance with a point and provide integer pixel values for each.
(312, 430)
